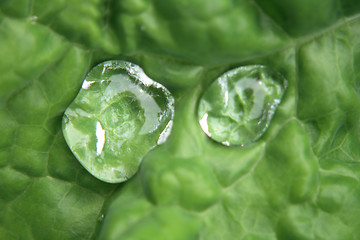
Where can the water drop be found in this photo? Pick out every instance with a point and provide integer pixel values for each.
(237, 108)
(101, 218)
(118, 116)
(33, 19)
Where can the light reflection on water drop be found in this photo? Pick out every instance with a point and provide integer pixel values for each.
(100, 135)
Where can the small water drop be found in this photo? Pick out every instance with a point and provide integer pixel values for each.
(237, 108)
(101, 218)
(118, 116)
(33, 19)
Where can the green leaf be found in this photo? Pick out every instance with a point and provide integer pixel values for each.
(45, 194)
(299, 180)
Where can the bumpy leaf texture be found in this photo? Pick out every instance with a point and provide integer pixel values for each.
(300, 180)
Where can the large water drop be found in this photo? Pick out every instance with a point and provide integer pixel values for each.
(237, 108)
(119, 115)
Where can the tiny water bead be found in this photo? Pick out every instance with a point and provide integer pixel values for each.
(237, 108)
(118, 116)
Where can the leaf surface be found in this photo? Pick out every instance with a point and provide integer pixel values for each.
(298, 181)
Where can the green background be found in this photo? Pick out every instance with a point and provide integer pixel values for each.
(299, 181)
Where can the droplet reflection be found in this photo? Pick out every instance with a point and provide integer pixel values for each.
(118, 116)
(238, 107)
